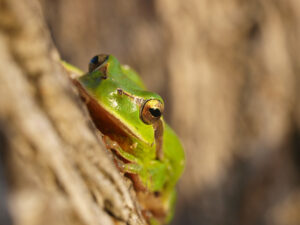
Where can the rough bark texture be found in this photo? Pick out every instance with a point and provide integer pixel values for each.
(228, 71)
(229, 74)
(57, 171)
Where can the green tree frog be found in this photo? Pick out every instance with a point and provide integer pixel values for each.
(131, 120)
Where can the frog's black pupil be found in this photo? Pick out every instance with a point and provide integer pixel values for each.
(155, 112)
(94, 60)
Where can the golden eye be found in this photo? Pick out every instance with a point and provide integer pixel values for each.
(151, 111)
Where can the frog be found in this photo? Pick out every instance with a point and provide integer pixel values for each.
(131, 121)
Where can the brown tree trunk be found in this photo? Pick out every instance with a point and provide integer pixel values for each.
(229, 74)
(56, 171)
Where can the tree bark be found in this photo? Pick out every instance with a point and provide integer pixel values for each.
(228, 72)
(56, 170)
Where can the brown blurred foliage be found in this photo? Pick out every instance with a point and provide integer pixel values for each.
(228, 71)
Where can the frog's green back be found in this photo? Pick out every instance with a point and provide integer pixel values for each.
(124, 75)
(132, 75)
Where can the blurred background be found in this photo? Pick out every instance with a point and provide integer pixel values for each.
(229, 74)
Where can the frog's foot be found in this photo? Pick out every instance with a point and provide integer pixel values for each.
(123, 155)
(154, 210)
(131, 168)
(126, 163)
(158, 207)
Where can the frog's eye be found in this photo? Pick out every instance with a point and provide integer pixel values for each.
(97, 61)
(151, 111)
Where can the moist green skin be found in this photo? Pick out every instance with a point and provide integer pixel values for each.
(136, 140)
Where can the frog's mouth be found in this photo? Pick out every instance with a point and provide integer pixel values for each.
(106, 122)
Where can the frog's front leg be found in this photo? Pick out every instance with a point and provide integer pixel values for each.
(113, 145)
(126, 163)
(150, 175)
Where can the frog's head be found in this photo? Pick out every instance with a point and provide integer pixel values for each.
(119, 104)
